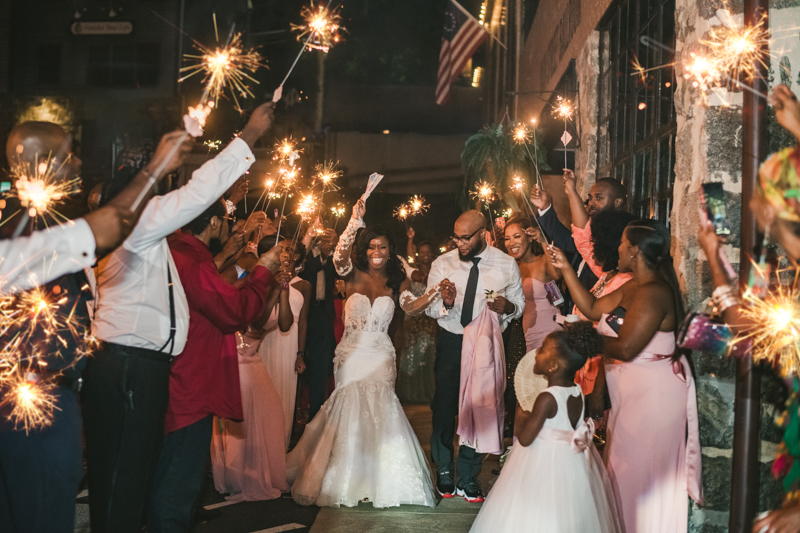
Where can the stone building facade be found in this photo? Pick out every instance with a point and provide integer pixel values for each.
(663, 139)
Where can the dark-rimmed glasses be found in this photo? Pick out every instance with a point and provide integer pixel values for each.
(458, 239)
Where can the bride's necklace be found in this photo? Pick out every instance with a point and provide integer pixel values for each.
(600, 287)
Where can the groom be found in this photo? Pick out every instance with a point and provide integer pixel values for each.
(466, 273)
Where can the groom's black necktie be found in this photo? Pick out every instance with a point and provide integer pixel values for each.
(469, 295)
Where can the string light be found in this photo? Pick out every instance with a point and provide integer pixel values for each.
(476, 76)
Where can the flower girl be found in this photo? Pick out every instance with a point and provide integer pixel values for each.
(553, 480)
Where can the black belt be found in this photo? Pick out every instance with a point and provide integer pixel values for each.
(133, 351)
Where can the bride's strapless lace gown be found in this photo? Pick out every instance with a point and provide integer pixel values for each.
(360, 445)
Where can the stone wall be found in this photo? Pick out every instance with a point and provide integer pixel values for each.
(708, 149)
(587, 68)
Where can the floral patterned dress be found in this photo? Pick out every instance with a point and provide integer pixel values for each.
(415, 379)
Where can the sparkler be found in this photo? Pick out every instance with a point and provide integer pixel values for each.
(417, 205)
(287, 152)
(321, 27)
(30, 323)
(564, 109)
(326, 175)
(402, 212)
(485, 193)
(774, 324)
(41, 187)
(518, 185)
(307, 206)
(338, 212)
(225, 68)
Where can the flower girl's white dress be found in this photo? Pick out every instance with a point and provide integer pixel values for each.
(557, 484)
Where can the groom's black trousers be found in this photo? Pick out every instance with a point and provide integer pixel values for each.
(447, 370)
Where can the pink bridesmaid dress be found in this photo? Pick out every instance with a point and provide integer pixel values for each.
(653, 447)
(539, 314)
(248, 458)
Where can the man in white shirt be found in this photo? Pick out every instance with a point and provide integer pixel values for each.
(45, 255)
(467, 272)
(142, 317)
(45, 466)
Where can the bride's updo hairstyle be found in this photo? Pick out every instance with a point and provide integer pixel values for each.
(652, 238)
(394, 268)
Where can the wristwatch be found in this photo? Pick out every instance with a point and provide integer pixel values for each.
(230, 206)
(449, 307)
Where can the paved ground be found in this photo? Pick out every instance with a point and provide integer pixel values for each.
(449, 516)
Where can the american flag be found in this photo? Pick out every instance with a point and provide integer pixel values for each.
(463, 34)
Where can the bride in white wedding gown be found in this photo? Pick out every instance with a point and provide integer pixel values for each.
(360, 446)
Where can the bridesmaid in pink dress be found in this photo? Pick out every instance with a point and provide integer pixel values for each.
(248, 458)
(653, 448)
(524, 243)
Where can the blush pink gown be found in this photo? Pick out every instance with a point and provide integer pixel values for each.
(538, 316)
(653, 446)
(248, 458)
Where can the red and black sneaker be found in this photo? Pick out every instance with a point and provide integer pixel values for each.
(445, 484)
(470, 490)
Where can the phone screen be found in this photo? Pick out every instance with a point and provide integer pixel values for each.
(714, 200)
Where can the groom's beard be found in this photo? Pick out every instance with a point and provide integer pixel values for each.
(472, 252)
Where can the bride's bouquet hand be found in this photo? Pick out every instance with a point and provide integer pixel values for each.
(360, 209)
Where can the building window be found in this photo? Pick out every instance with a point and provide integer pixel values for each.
(131, 66)
(49, 64)
(636, 133)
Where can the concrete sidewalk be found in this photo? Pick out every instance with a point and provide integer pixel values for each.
(453, 515)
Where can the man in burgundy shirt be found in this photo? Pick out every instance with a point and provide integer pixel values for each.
(204, 379)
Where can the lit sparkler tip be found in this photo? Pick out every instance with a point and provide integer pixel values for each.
(402, 212)
(225, 69)
(520, 133)
(326, 175)
(775, 325)
(563, 108)
(320, 30)
(416, 205)
(483, 191)
(338, 210)
(40, 187)
(307, 206)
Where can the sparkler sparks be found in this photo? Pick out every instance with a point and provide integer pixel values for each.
(775, 325)
(320, 30)
(517, 184)
(402, 212)
(307, 206)
(33, 404)
(563, 108)
(224, 69)
(326, 175)
(286, 151)
(737, 51)
(417, 206)
(33, 324)
(521, 134)
(338, 210)
(42, 187)
(483, 191)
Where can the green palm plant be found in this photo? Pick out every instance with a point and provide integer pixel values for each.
(494, 155)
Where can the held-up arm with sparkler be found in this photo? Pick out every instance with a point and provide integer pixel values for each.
(576, 207)
(551, 225)
(167, 213)
(341, 257)
(591, 307)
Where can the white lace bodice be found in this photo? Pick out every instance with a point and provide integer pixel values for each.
(361, 315)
